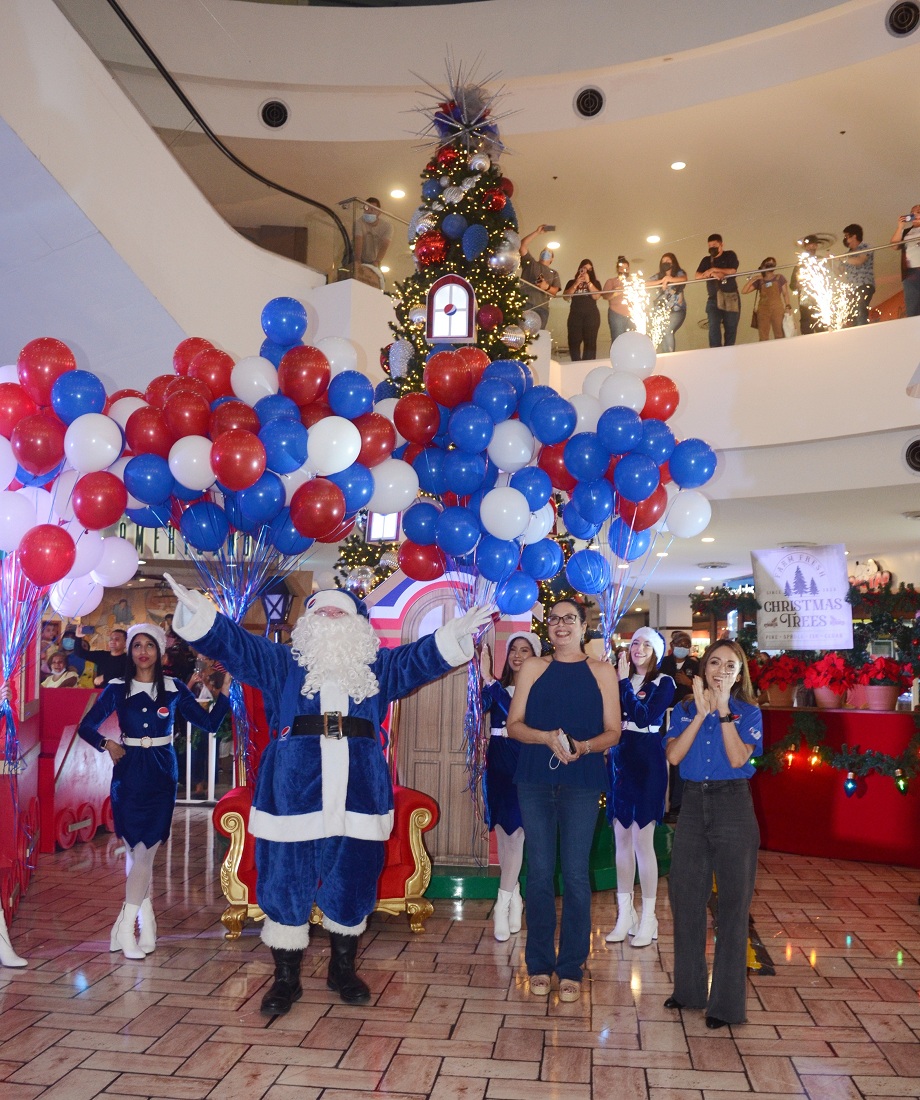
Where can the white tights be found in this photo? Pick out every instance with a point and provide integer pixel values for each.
(139, 867)
(510, 856)
(635, 845)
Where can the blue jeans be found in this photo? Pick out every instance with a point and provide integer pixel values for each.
(677, 318)
(719, 319)
(864, 295)
(618, 324)
(567, 815)
(912, 296)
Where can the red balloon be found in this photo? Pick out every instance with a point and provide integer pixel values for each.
(15, 404)
(641, 516)
(552, 461)
(317, 508)
(234, 414)
(238, 459)
(118, 395)
(186, 351)
(378, 438)
(417, 417)
(38, 442)
(303, 375)
(318, 410)
(46, 553)
(213, 367)
(664, 472)
(431, 248)
(147, 432)
(41, 363)
(155, 394)
(187, 414)
(611, 466)
(447, 379)
(341, 532)
(99, 499)
(421, 563)
(661, 397)
(477, 360)
(187, 385)
(489, 317)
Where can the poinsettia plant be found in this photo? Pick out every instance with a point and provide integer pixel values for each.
(830, 671)
(780, 672)
(884, 670)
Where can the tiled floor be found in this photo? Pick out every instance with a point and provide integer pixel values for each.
(451, 1015)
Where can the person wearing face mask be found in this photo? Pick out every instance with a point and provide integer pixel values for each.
(681, 667)
(907, 237)
(772, 299)
(618, 317)
(723, 304)
(584, 320)
(539, 279)
(373, 234)
(859, 271)
(808, 307)
(78, 656)
(672, 279)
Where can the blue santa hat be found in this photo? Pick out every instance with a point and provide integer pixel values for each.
(340, 598)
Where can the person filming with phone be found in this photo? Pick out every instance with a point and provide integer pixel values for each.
(907, 235)
(539, 279)
(584, 320)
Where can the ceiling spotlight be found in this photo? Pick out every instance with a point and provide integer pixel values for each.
(398, 193)
(553, 245)
(707, 538)
(700, 588)
(384, 268)
(653, 239)
(705, 578)
(679, 165)
(661, 554)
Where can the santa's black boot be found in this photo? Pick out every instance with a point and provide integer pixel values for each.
(342, 977)
(286, 988)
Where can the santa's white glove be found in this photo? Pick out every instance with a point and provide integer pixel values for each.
(455, 638)
(194, 613)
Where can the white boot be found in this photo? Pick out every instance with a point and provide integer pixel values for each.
(627, 919)
(648, 926)
(515, 910)
(147, 941)
(501, 914)
(122, 938)
(8, 956)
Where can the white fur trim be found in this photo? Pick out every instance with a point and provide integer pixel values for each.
(286, 937)
(152, 631)
(455, 647)
(290, 828)
(653, 638)
(334, 758)
(344, 929)
(194, 625)
(331, 597)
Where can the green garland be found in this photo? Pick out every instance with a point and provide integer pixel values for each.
(718, 602)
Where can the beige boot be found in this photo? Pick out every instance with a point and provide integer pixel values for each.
(627, 919)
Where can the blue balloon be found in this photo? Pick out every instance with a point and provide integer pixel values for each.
(429, 465)
(553, 419)
(223, 400)
(235, 516)
(464, 472)
(284, 321)
(183, 492)
(205, 526)
(530, 399)
(636, 477)
(657, 441)
(457, 531)
(153, 516)
(26, 479)
(453, 226)
(263, 501)
(516, 594)
(275, 406)
(619, 429)
(576, 524)
(148, 478)
(541, 560)
(474, 240)
(534, 483)
(594, 499)
(470, 428)
(419, 523)
(692, 463)
(585, 457)
(350, 394)
(497, 397)
(357, 485)
(626, 543)
(274, 353)
(496, 558)
(492, 472)
(386, 388)
(588, 572)
(512, 371)
(431, 189)
(285, 537)
(75, 393)
(285, 443)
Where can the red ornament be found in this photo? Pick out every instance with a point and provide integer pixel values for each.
(378, 438)
(46, 553)
(385, 358)
(447, 156)
(421, 563)
(416, 417)
(41, 363)
(233, 414)
(447, 379)
(303, 375)
(551, 460)
(317, 508)
(238, 459)
(494, 198)
(507, 186)
(489, 317)
(641, 516)
(15, 404)
(99, 500)
(431, 248)
(661, 397)
(186, 351)
(213, 367)
(38, 442)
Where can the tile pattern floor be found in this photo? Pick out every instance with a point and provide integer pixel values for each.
(451, 1017)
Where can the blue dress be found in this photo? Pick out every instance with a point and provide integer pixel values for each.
(637, 767)
(498, 790)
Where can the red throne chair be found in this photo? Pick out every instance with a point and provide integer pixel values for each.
(407, 865)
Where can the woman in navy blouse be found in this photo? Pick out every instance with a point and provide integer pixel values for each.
(713, 739)
(145, 772)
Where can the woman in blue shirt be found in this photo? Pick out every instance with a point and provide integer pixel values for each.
(713, 739)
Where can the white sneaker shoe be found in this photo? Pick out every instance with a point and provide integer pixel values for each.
(627, 919)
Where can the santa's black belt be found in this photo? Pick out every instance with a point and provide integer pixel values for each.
(333, 724)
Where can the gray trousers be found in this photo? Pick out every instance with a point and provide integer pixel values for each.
(716, 833)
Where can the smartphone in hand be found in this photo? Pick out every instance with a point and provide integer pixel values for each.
(568, 742)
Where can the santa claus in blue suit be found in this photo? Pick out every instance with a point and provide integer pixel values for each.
(323, 804)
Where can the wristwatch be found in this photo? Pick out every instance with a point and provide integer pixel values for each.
(725, 719)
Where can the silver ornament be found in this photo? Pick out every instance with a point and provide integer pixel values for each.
(453, 195)
(401, 352)
(389, 559)
(479, 162)
(445, 181)
(419, 315)
(513, 239)
(531, 322)
(360, 580)
(437, 206)
(422, 222)
(504, 262)
(469, 183)
(513, 337)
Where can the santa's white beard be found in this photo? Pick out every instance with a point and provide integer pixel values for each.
(340, 650)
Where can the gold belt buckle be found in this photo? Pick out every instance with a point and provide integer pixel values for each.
(146, 742)
(332, 725)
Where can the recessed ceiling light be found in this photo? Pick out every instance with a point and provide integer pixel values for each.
(384, 268)
(700, 587)
(707, 538)
(398, 193)
(653, 239)
(637, 608)
(679, 165)
(705, 578)
(553, 245)
(661, 554)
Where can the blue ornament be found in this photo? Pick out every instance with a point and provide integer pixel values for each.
(588, 572)
(431, 189)
(475, 239)
(454, 226)
(385, 389)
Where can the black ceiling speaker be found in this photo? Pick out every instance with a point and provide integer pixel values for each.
(912, 455)
(274, 114)
(589, 102)
(903, 18)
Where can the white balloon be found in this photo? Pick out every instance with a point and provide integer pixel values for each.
(42, 502)
(541, 523)
(89, 546)
(333, 444)
(76, 596)
(121, 409)
(589, 410)
(622, 388)
(594, 379)
(341, 353)
(8, 462)
(254, 378)
(395, 486)
(92, 442)
(17, 516)
(118, 469)
(62, 494)
(633, 352)
(689, 514)
(661, 524)
(118, 563)
(385, 408)
(505, 513)
(512, 445)
(293, 481)
(190, 462)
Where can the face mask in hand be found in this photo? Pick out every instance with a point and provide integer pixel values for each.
(680, 653)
